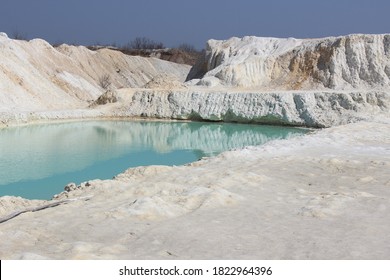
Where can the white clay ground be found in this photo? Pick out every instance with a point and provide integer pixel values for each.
(321, 196)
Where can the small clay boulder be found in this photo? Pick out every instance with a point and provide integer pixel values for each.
(70, 187)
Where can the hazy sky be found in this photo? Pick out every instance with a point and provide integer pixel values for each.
(177, 21)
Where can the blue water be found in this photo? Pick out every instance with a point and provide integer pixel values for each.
(37, 161)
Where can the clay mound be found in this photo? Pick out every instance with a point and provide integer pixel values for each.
(36, 76)
(164, 81)
(347, 62)
(168, 54)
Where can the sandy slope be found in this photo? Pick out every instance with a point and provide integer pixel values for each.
(34, 76)
(321, 196)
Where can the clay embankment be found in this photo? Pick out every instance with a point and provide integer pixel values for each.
(311, 82)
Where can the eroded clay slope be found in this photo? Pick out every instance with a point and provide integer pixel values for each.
(299, 108)
(349, 62)
(35, 76)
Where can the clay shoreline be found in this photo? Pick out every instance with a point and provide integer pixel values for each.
(314, 191)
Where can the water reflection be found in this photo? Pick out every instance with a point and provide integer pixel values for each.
(43, 151)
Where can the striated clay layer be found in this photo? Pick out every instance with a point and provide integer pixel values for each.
(311, 109)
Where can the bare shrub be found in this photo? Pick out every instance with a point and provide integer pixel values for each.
(110, 96)
(143, 43)
(187, 48)
(19, 36)
(105, 81)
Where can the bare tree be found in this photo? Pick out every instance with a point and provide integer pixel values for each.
(143, 43)
(105, 81)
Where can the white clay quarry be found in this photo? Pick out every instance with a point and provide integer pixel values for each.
(321, 196)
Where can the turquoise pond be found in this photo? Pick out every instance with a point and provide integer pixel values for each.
(37, 161)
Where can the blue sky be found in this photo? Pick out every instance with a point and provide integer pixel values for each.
(174, 22)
